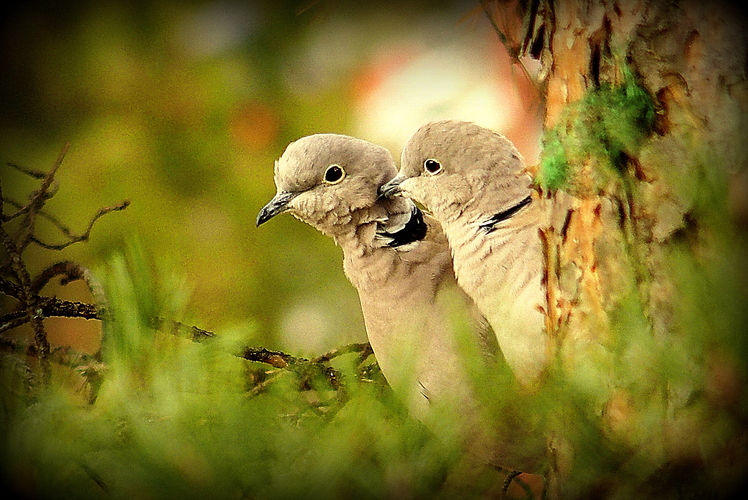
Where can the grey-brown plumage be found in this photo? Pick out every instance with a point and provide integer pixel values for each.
(399, 261)
(395, 256)
(475, 184)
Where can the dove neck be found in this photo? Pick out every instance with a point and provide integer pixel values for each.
(360, 224)
(358, 232)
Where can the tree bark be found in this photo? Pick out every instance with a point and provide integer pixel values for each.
(645, 136)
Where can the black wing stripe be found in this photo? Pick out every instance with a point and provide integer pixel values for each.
(490, 224)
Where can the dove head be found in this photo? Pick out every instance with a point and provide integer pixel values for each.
(325, 180)
(455, 167)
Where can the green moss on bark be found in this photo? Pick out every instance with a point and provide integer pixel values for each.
(608, 126)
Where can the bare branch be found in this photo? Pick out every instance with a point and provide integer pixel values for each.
(277, 359)
(49, 307)
(70, 271)
(50, 177)
(36, 174)
(82, 237)
(88, 365)
(21, 369)
(303, 366)
(37, 200)
(198, 334)
(363, 348)
(28, 301)
(13, 320)
(21, 209)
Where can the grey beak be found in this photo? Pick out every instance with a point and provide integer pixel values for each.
(391, 188)
(277, 205)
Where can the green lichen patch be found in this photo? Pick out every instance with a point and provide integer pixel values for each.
(594, 137)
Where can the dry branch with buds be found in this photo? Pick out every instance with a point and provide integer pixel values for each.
(16, 281)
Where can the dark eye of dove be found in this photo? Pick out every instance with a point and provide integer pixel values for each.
(334, 174)
(432, 166)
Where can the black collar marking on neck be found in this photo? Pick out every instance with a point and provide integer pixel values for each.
(413, 230)
(490, 224)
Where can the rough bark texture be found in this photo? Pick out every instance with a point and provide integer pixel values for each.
(645, 131)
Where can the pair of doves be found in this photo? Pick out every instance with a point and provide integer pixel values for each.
(478, 246)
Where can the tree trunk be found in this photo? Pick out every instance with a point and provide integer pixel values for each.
(645, 141)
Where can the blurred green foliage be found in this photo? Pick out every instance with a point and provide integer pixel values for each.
(174, 419)
(182, 108)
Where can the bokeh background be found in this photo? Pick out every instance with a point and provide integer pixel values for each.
(182, 107)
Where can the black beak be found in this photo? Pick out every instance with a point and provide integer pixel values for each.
(277, 205)
(391, 188)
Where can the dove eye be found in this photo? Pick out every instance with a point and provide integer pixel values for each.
(334, 174)
(432, 166)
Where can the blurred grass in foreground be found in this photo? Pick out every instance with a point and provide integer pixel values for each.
(174, 419)
(178, 418)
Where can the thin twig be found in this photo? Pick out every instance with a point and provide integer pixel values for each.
(277, 359)
(364, 348)
(16, 281)
(13, 320)
(50, 177)
(21, 209)
(36, 174)
(85, 235)
(28, 301)
(88, 365)
(280, 359)
(69, 271)
(49, 307)
(37, 201)
(25, 208)
(198, 334)
(33, 308)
